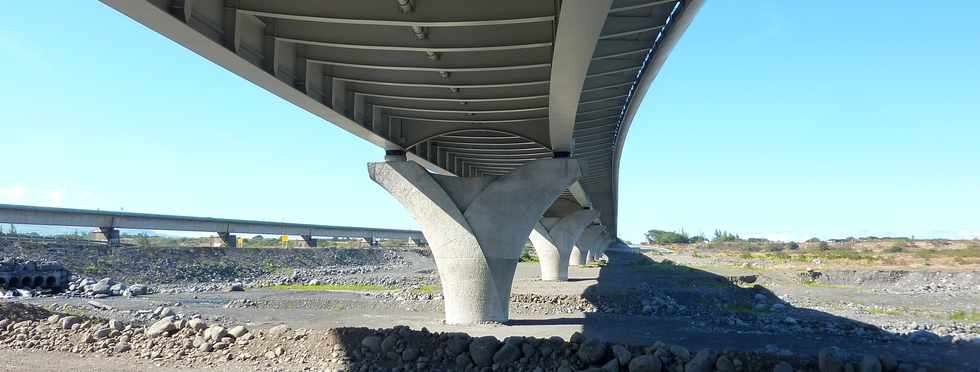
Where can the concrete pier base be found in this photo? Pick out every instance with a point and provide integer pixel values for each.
(476, 227)
(553, 239)
(583, 253)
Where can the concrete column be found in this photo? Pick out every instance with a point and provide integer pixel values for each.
(585, 244)
(553, 238)
(111, 235)
(577, 257)
(476, 227)
(599, 248)
(310, 241)
(230, 240)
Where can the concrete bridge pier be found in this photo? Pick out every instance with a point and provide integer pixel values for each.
(109, 234)
(476, 226)
(230, 240)
(553, 238)
(599, 248)
(583, 252)
(309, 240)
(577, 257)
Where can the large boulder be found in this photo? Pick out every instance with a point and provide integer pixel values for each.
(831, 359)
(215, 333)
(592, 351)
(103, 287)
(457, 344)
(161, 327)
(888, 361)
(69, 321)
(623, 354)
(137, 290)
(703, 361)
(237, 331)
(645, 363)
(482, 350)
(870, 363)
(196, 324)
(508, 353)
(372, 343)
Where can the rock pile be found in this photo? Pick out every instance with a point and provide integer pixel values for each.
(173, 339)
(104, 287)
(552, 304)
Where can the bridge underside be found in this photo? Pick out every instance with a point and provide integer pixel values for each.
(482, 90)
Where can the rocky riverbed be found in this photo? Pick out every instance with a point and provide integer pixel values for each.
(182, 340)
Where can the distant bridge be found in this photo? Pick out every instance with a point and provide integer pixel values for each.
(110, 222)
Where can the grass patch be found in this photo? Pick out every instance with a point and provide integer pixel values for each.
(890, 311)
(594, 264)
(332, 287)
(430, 288)
(816, 284)
(965, 316)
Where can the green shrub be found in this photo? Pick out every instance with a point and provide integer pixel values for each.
(896, 248)
(667, 237)
(725, 236)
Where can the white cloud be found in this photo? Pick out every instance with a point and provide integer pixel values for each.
(13, 195)
(18, 194)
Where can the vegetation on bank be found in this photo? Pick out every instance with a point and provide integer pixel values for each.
(886, 250)
(529, 254)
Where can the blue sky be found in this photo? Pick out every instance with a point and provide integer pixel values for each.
(772, 119)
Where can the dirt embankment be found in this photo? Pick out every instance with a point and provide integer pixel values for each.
(182, 265)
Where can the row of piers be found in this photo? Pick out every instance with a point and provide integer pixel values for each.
(477, 227)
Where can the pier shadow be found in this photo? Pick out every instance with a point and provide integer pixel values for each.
(641, 301)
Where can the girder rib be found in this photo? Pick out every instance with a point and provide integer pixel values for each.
(439, 140)
(381, 22)
(630, 32)
(597, 119)
(462, 111)
(619, 108)
(617, 85)
(433, 69)
(477, 149)
(621, 54)
(480, 137)
(622, 96)
(447, 86)
(439, 99)
(504, 156)
(467, 121)
(640, 6)
(398, 48)
(613, 72)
